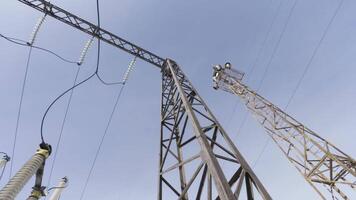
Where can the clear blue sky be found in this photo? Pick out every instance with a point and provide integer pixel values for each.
(197, 34)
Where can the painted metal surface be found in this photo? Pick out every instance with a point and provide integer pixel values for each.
(187, 121)
(91, 29)
(187, 125)
(325, 167)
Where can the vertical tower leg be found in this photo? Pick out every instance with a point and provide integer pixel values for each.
(330, 171)
(194, 147)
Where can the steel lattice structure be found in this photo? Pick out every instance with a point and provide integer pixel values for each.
(91, 29)
(186, 120)
(187, 127)
(324, 166)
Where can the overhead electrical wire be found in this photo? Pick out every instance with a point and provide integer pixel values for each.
(74, 86)
(276, 47)
(96, 73)
(99, 49)
(101, 143)
(244, 120)
(25, 44)
(62, 128)
(19, 111)
(57, 98)
(254, 63)
(112, 112)
(271, 58)
(267, 69)
(264, 43)
(125, 78)
(306, 69)
(67, 109)
(80, 62)
(30, 44)
(304, 72)
(274, 52)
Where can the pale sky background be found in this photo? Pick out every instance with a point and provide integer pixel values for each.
(196, 34)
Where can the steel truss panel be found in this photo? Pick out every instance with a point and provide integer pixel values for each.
(325, 167)
(186, 123)
(91, 29)
(185, 120)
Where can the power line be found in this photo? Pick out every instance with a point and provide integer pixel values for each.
(130, 67)
(263, 46)
(99, 49)
(57, 98)
(62, 128)
(269, 64)
(277, 45)
(112, 112)
(254, 63)
(19, 111)
(107, 83)
(272, 56)
(73, 87)
(96, 73)
(304, 71)
(267, 69)
(101, 143)
(25, 44)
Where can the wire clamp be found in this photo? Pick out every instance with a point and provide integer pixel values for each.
(44, 150)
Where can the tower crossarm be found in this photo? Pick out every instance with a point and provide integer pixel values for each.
(193, 145)
(91, 29)
(324, 166)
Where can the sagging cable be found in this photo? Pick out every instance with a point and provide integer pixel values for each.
(128, 71)
(36, 29)
(85, 51)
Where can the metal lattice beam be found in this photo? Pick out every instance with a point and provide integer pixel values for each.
(325, 167)
(193, 144)
(186, 123)
(91, 29)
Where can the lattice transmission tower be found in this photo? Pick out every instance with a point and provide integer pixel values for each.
(331, 172)
(197, 158)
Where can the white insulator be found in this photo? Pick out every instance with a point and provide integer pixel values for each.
(3, 161)
(129, 69)
(85, 50)
(36, 29)
(57, 191)
(18, 181)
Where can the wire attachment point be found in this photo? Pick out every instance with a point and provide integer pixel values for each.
(45, 149)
